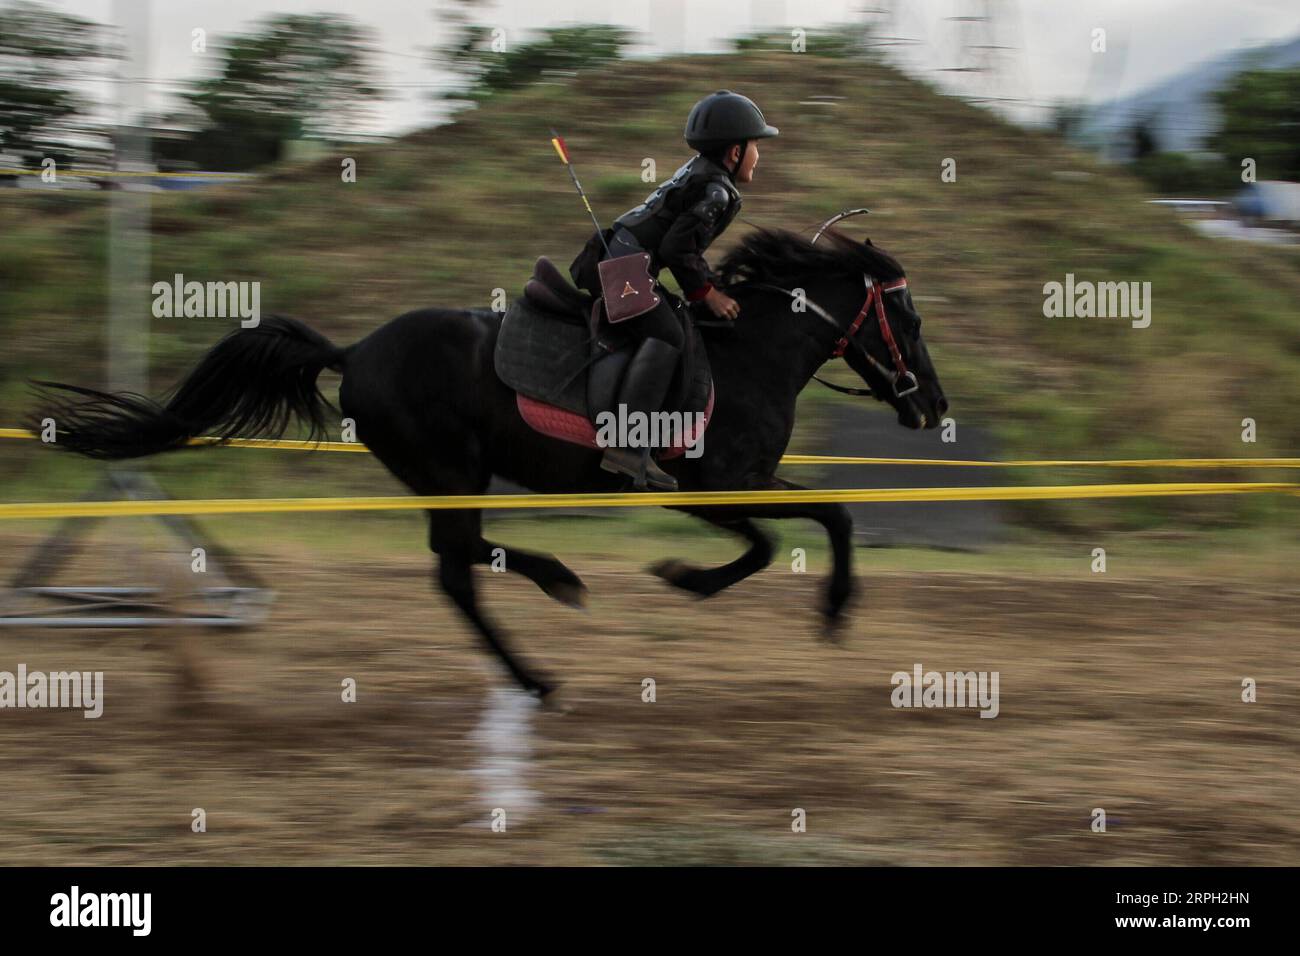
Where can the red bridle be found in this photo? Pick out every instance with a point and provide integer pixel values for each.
(876, 298)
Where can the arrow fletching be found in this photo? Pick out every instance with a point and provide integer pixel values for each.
(558, 142)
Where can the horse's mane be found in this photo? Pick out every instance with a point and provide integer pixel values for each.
(786, 259)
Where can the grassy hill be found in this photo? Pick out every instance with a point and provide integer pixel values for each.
(446, 216)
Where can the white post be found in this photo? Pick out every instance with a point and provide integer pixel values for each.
(129, 207)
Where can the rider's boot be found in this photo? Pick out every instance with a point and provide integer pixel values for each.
(645, 385)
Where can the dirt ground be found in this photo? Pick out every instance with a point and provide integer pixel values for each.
(1117, 692)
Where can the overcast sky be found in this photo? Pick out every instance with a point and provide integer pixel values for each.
(1043, 45)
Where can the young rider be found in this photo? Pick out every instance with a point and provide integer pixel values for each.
(675, 224)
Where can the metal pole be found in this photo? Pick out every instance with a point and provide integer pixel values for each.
(245, 599)
(129, 209)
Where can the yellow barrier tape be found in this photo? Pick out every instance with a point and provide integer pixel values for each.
(285, 444)
(1051, 462)
(220, 506)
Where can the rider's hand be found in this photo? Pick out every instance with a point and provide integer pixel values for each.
(721, 304)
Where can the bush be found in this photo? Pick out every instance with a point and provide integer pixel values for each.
(563, 49)
(1181, 174)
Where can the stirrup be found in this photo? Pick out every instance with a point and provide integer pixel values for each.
(646, 475)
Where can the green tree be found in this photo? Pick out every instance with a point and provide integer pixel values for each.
(39, 49)
(835, 42)
(472, 55)
(294, 76)
(1261, 120)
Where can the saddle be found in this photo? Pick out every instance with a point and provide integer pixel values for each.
(565, 361)
(549, 291)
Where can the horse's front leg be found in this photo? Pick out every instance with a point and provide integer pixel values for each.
(834, 518)
(837, 521)
(709, 581)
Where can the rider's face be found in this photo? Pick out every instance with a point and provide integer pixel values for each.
(745, 173)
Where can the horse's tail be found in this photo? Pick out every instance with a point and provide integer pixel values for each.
(251, 384)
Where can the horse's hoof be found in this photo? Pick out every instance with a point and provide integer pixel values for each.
(680, 575)
(832, 630)
(669, 570)
(570, 595)
(553, 701)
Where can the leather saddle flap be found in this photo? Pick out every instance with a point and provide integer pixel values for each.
(544, 355)
(547, 357)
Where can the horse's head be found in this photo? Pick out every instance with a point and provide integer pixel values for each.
(889, 354)
(857, 302)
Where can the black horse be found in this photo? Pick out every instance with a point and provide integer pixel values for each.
(426, 400)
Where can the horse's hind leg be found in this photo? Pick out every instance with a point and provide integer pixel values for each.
(709, 581)
(455, 537)
(544, 570)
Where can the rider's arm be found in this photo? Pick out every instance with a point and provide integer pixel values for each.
(683, 245)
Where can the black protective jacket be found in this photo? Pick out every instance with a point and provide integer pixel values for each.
(675, 224)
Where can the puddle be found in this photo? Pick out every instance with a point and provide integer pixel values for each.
(503, 740)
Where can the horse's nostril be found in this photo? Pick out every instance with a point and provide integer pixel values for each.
(942, 405)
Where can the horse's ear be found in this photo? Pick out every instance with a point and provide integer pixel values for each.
(867, 242)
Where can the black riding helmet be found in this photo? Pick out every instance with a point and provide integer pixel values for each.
(724, 118)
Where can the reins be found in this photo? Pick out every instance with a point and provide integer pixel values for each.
(899, 377)
(875, 299)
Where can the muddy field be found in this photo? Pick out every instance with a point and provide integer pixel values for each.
(1116, 692)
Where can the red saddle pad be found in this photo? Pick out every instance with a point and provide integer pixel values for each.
(571, 427)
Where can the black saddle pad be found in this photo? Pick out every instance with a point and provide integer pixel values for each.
(548, 357)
